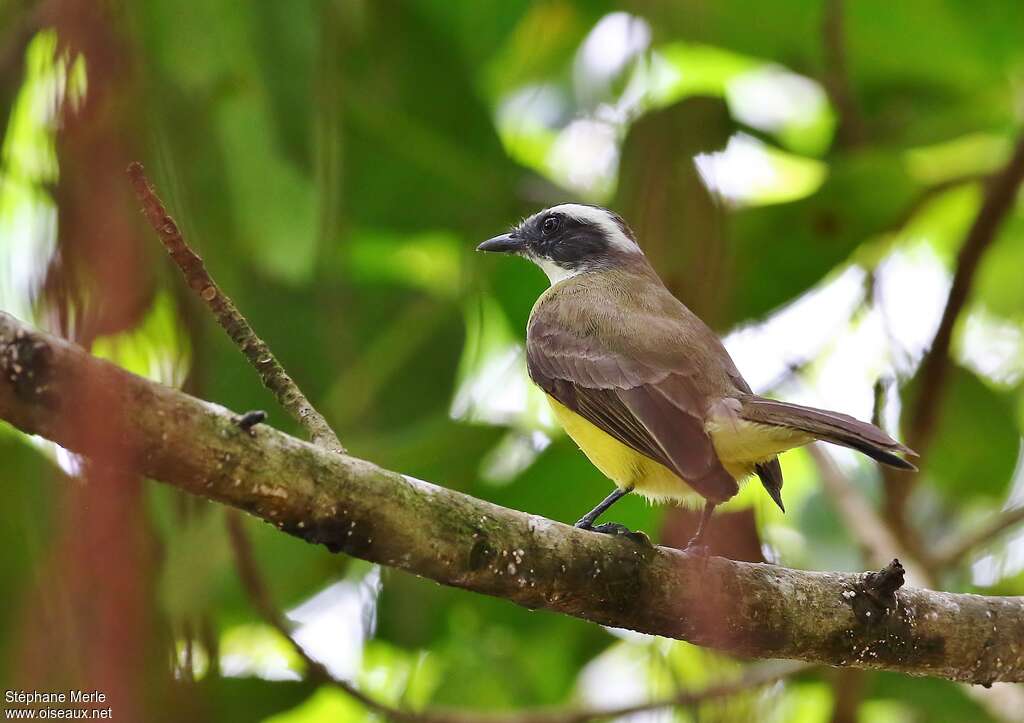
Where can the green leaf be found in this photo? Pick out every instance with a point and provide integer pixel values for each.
(157, 348)
(782, 250)
(998, 284)
(253, 700)
(941, 701)
(327, 704)
(198, 558)
(274, 200)
(30, 482)
(976, 440)
(431, 262)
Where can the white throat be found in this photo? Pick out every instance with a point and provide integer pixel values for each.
(555, 272)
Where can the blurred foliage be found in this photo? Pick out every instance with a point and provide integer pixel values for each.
(336, 161)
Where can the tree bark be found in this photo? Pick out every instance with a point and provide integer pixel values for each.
(353, 506)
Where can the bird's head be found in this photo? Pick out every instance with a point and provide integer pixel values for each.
(568, 240)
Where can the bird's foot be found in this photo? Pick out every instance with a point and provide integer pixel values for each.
(698, 548)
(614, 528)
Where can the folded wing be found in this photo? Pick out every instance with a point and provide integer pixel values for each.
(647, 406)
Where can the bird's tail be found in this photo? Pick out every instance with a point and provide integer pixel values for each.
(829, 427)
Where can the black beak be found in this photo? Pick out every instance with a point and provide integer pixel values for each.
(504, 244)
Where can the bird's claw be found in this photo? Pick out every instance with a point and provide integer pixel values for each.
(698, 548)
(614, 528)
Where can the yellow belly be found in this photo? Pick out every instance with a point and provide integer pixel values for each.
(622, 464)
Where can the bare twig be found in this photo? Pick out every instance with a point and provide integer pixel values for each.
(848, 693)
(874, 536)
(271, 373)
(262, 600)
(859, 516)
(756, 676)
(1000, 192)
(259, 594)
(929, 193)
(878, 404)
(836, 78)
(953, 551)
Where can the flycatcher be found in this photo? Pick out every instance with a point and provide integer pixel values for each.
(642, 385)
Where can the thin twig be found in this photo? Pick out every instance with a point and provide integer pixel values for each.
(879, 391)
(756, 676)
(929, 193)
(848, 687)
(849, 684)
(873, 535)
(1000, 192)
(876, 539)
(956, 549)
(836, 79)
(271, 373)
(259, 595)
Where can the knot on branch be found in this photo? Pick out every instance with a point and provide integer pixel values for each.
(247, 421)
(874, 598)
(26, 363)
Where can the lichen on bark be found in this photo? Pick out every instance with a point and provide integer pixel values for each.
(354, 506)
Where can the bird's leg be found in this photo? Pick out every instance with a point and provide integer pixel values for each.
(696, 544)
(587, 521)
(611, 528)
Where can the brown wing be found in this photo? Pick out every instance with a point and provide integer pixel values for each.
(656, 411)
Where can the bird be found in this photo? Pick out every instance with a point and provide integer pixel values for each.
(643, 386)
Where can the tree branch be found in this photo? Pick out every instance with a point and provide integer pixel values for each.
(1000, 192)
(952, 552)
(351, 505)
(836, 78)
(877, 542)
(262, 600)
(755, 677)
(260, 596)
(255, 350)
(202, 283)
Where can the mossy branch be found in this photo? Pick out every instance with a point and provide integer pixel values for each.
(354, 506)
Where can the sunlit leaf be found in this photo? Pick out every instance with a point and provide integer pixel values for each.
(251, 700)
(274, 200)
(493, 386)
(997, 286)
(970, 155)
(976, 441)
(28, 167)
(397, 676)
(158, 348)
(429, 261)
(326, 704)
(750, 173)
(260, 651)
(782, 249)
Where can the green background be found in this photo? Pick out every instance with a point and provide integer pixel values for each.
(336, 163)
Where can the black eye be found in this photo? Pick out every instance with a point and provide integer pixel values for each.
(550, 225)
